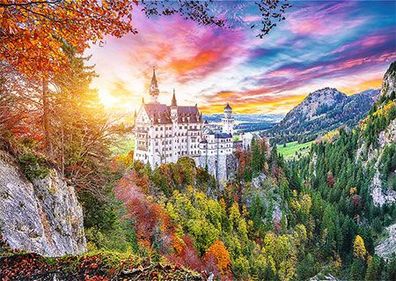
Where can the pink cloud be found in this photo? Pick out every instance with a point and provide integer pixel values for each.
(367, 42)
(181, 48)
(323, 20)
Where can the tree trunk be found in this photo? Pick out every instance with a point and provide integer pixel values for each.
(63, 151)
(46, 112)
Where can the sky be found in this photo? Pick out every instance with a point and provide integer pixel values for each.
(347, 45)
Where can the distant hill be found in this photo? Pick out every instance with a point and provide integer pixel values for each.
(249, 122)
(322, 111)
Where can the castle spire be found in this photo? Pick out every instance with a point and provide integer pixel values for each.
(154, 91)
(174, 103)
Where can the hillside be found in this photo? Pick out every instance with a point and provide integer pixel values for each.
(322, 111)
(353, 174)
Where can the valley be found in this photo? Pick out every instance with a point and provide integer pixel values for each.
(292, 149)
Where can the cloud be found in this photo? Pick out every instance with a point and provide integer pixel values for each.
(346, 44)
(184, 49)
(325, 19)
(246, 102)
(361, 55)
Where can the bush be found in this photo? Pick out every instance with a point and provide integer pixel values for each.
(105, 229)
(33, 166)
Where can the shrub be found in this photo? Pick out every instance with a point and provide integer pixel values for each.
(33, 166)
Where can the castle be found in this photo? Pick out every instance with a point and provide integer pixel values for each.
(164, 133)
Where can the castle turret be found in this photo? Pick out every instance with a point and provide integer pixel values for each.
(154, 91)
(228, 120)
(174, 102)
(173, 108)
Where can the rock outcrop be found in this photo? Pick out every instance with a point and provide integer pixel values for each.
(387, 247)
(389, 83)
(381, 194)
(42, 217)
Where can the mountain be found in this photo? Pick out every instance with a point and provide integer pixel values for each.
(248, 122)
(322, 111)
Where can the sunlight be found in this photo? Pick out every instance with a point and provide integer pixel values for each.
(108, 100)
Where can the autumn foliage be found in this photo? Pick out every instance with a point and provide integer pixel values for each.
(218, 254)
(157, 231)
(34, 32)
(151, 223)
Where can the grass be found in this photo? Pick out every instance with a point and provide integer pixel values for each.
(292, 148)
(123, 145)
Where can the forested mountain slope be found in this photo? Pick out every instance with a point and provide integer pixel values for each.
(353, 175)
(323, 111)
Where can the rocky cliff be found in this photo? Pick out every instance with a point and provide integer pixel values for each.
(380, 192)
(389, 83)
(42, 217)
(382, 188)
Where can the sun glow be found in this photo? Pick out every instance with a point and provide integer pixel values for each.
(107, 99)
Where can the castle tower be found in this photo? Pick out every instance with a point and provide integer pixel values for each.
(154, 91)
(228, 120)
(173, 108)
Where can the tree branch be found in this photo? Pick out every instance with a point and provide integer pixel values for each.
(29, 3)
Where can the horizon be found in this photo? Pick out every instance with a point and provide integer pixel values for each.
(211, 66)
(284, 113)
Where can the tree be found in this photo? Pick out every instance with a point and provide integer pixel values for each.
(33, 36)
(283, 252)
(390, 269)
(306, 268)
(258, 156)
(359, 250)
(271, 12)
(33, 32)
(219, 254)
(357, 269)
(374, 269)
(17, 108)
(329, 230)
